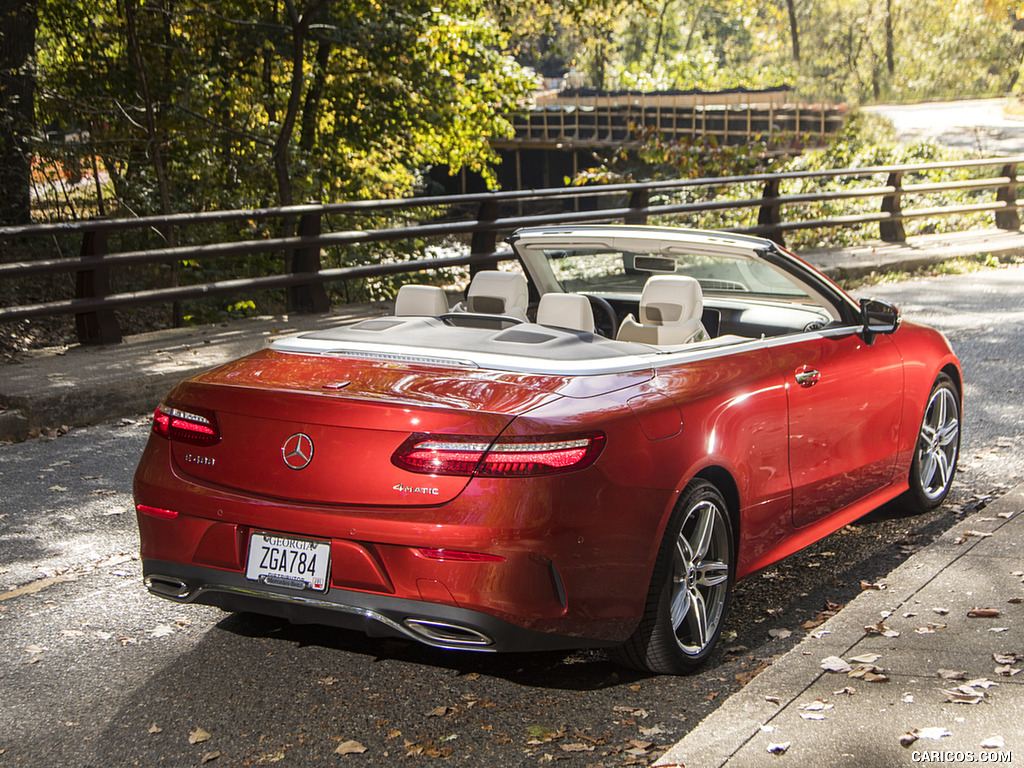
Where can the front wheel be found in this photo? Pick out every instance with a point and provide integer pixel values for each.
(937, 449)
(690, 587)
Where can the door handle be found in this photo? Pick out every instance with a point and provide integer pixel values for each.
(807, 376)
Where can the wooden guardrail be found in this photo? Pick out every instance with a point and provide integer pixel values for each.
(481, 217)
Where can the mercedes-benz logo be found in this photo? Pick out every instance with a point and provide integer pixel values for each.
(297, 451)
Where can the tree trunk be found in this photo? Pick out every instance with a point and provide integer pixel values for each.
(300, 25)
(794, 34)
(890, 54)
(18, 20)
(154, 143)
(311, 108)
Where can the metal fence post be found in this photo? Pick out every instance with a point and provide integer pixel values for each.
(770, 212)
(1009, 217)
(308, 298)
(891, 229)
(99, 326)
(639, 199)
(484, 241)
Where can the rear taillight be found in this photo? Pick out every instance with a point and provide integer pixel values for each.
(505, 457)
(190, 425)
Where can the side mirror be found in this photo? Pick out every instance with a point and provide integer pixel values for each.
(878, 317)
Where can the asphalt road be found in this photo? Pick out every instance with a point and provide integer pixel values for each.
(978, 125)
(94, 672)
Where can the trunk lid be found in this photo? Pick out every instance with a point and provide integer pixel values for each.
(323, 430)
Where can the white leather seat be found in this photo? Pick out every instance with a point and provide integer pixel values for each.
(566, 310)
(670, 312)
(420, 300)
(498, 293)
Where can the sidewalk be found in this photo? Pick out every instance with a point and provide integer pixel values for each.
(948, 677)
(78, 385)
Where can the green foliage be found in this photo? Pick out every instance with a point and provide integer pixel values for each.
(356, 98)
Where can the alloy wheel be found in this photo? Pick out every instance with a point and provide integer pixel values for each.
(700, 576)
(938, 443)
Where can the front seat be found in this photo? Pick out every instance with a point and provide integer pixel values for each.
(498, 293)
(670, 313)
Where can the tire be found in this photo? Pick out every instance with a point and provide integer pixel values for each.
(690, 587)
(937, 450)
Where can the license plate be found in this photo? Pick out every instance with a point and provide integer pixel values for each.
(282, 561)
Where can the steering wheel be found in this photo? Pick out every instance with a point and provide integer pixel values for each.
(606, 320)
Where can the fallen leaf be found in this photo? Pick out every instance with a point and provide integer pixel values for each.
(835, 664)
(983, 613)
(198, 736)
(953, 674)
(779, 749)
(33, 649)
(908, 698)
(350, 747)
(980, 682)
(209, 757)
(960, 696)
(442, 711)
(941, 611)
(812, 716)
(877, 585)
(993, 742)
(1007, 671)
(817, 705)
(576, 747)
(162, 630)
(154, 728)
(999, 629)
(1004, 658)
(977, 534)
(655, 730)
(881, 629)
(866, 658)
(772, 699)
(934, 732)
(848, 690)
(779, 634)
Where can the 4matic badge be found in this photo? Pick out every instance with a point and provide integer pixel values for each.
(403, 488)
(297, 451)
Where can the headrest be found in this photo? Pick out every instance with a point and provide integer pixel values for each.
(498, 293)
(566, 310)
(420, 300)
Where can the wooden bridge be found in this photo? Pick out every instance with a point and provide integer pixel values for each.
(582, 118)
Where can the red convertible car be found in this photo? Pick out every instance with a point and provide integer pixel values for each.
(588, 450)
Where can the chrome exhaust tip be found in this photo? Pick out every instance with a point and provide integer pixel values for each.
(447, 635)
(167, 586)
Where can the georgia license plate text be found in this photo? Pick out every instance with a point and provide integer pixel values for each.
(285, 562)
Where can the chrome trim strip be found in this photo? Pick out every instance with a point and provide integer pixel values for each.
(706, 350)
(365, 613)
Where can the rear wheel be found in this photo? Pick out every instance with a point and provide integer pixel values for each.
(938, 448)
(690, 587)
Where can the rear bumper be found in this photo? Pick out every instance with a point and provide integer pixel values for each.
(439, 626)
